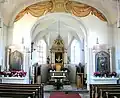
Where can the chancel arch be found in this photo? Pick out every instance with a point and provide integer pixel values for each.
(56, 25)
(52, 28)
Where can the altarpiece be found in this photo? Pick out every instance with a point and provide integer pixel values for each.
(58, 53)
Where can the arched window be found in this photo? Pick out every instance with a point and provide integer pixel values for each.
(75, 52)
(41, 51)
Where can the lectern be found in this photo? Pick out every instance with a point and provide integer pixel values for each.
(79, 80)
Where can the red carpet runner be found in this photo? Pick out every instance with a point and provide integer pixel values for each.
(63, 95)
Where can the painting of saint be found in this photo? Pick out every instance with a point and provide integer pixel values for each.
(102, 62)
(16, 60)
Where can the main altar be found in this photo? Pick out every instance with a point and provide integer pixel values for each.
(57, 70)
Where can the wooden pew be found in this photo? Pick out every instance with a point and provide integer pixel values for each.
(112, 95)
(103, 92)
(95, 89)
(19, 88)
(27, 91)
(32, 89)
(98, 89)
(15, 94)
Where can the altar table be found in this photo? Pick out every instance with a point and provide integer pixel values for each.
(58, 82)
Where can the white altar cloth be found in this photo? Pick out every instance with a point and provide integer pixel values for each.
(104, 80)
(17, 80)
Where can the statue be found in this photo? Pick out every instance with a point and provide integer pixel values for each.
(58, 59)
(81, 67)
(48, 60)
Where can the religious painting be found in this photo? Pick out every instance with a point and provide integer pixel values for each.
(58, 57)
(16, 60)
(102, 61)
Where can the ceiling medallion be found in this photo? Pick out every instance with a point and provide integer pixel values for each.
(59, 5)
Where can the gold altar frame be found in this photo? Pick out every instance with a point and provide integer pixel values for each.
(58, 51)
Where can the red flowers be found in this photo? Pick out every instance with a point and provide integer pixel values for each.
(105, 74)
(97, 74)
(14, 73)
(113, 74)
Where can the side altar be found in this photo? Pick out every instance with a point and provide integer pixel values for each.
(14, 69)
(102, 69)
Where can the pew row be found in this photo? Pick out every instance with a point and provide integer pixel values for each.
(104, 90)
(112, 95)
(20, 90)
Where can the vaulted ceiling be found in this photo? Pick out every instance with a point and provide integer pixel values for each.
(10, 8)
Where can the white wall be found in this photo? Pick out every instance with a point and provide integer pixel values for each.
(116, 44)
(96, 28)
(3, 43)
(22, 30)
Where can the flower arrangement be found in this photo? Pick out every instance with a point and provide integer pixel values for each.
(14, 73)
(105, 74)
(97, 74)
(113, 74)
